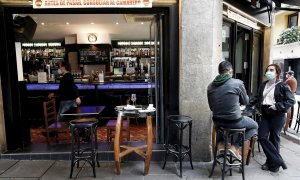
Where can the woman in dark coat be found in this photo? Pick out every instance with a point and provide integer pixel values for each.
(274, 99)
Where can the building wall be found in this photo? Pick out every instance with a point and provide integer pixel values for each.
(2, 125)
(281, 23)
(267, 47)
(200, 45)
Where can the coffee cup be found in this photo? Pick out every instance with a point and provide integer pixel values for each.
(150, 106)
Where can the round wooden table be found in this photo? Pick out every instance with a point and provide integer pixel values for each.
(145, 151)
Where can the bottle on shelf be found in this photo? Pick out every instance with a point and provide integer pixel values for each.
(141, 52)
(101, 77)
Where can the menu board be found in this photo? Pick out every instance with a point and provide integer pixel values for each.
(93, 55)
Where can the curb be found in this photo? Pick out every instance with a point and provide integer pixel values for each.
(291, 137)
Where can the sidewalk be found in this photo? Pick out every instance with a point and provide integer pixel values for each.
(56, 170)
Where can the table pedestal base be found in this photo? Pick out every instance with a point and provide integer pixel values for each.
(145, 151)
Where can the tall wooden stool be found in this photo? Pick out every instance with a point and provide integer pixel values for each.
(87, 150)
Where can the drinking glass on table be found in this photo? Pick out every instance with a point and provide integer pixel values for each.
(133, 98)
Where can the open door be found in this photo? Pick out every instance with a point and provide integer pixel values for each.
(157, 75)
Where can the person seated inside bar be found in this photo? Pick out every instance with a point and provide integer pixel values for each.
(225, 96)
(67, 91)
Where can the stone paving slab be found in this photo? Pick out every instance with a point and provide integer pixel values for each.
(28, 169)
(59, 170)
(6, 164)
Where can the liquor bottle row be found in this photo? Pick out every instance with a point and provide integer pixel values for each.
(138, 52)
(31, 53)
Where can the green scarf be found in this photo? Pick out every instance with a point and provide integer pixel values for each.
(220, 79)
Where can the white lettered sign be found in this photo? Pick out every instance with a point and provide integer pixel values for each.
(92, 4)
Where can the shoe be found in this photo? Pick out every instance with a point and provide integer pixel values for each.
(246, 150)
(284, 165)
(274, 169)
(265, 167)
(234, 151)
(221, 147)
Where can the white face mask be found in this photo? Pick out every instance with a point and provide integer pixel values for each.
(270, 75)
(59, 71)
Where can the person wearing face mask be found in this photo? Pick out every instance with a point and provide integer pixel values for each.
(67, 91)
(273, 98)
(225, 96)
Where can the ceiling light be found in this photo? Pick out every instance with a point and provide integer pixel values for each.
(142, 22)
(117, 23)
(67, 23)
(42, 23)
(92, 23)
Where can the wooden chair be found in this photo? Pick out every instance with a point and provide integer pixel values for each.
(51, 123)
(111, 127)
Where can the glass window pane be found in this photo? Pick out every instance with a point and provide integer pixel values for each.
(226, 43)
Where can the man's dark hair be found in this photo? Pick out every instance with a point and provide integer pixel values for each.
(224, 67)
(66, 65)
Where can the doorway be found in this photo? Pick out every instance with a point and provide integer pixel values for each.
(242, 46)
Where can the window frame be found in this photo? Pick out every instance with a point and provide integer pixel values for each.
(290, 17)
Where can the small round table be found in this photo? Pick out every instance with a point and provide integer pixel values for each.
(145, 151)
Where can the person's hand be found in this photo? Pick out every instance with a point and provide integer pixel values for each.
(273, 107)
(78, 101)
(50, 96)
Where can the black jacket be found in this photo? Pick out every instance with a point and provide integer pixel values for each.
(284, 98)
(67, 89)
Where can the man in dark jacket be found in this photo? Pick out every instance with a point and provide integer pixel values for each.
(225, 96)
(67, 91)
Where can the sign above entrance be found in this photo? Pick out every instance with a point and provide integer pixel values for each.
(242, 19)
(92, 4)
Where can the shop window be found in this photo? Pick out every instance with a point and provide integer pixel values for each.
(226, 41)
(293, 20)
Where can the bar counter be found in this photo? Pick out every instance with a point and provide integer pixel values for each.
(108, 94)
(93, 85)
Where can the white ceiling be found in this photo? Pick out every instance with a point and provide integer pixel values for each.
(55, 27)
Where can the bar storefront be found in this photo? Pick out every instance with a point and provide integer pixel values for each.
(106, 70)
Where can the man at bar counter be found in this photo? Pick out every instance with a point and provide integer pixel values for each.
(67, 91)
(225, 96)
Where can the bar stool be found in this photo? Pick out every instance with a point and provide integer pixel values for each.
(179, 150)
(87, 150)
(228, 163)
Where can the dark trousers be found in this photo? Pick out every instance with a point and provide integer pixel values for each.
(269, 130)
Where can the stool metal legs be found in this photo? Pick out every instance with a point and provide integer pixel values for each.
(297, 124)
(179, 150)
(190, 144)
(226, 162)
(89, 151)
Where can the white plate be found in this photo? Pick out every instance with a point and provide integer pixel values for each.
(152, 109)
(119, 108)
(146, 110)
